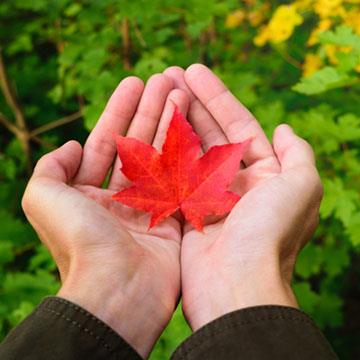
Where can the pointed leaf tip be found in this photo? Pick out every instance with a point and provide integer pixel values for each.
(164, 182)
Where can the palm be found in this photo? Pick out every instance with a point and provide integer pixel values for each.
(225, 253)
(134, 222)
(101, 228)
(115, 232)
(138, 112)
(254, 184)
(221, 240)
(219, 118)
(95, 240)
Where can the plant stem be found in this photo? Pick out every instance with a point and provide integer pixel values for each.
(22, 132)
(56, 123)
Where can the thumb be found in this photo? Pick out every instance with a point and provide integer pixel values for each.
(58, 166)
(61, 164)
(291, 150)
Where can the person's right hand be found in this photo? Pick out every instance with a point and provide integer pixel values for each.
(247, 258)
(109, 262)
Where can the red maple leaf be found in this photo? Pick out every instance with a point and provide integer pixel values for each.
(179, 178)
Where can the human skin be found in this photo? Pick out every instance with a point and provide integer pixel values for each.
(130, 278)
(246, 259)
(109, 262)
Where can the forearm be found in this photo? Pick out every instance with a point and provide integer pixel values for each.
(249, 313)
(258, 282)
(131, 310)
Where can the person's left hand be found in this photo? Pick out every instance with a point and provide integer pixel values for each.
(108, 261)
(246, 258)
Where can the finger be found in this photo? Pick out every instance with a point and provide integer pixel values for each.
(181, 100)
(176, 73)
(205, 126)
(61, 164)
(57, 167)
(55, 209)
(236, 121)
(202, 121)
(146, 119)
(100, 148)
(291, 150)
(297, 162)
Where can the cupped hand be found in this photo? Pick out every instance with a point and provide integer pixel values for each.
(108, 261)
(247, 258)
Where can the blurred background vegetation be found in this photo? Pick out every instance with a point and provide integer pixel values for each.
(295, 61)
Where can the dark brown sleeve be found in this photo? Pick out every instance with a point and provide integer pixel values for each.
(258, 333)
(59, 329)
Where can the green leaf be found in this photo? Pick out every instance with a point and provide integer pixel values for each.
(309, 261)
(176, 332)
(349, 127)
(35, 5)
(270, 115)
(336, 258)
(307, 298)
(338, 201)
(23, 43)
(72, 10)
(329, 310)
(70, 54)
(93, 60)
(342, 36)
(149, 65)
(353, 229)
(196, 28)
(7, 167)
(92, 113)
(6, 253)
(243, 85)
(22, 285)
(15, 231)
(321, 118)
(21, 312)
(323, 80)
(347, 61)
(42, 259)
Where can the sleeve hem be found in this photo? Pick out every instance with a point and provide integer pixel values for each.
(88, 324)
(228, 323)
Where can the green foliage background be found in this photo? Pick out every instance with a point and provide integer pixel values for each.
(63, 56)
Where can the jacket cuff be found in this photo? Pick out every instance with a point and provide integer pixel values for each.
(87, 326)
(261, 332)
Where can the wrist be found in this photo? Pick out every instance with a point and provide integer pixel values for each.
(227, 291)
(125, 305)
